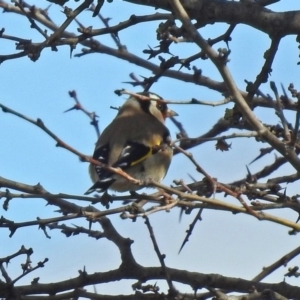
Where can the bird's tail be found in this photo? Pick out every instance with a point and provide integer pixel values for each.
(100, 186)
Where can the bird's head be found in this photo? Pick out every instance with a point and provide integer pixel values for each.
(155, 106)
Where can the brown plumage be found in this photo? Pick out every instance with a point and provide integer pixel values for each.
(137, 141)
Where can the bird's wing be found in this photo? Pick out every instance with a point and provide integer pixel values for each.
(132, 154)
(101, 154)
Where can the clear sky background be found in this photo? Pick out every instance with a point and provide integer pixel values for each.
(232, 245)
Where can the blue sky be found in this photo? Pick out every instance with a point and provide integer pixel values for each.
(222, 243)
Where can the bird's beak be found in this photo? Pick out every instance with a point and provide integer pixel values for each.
(171, 113)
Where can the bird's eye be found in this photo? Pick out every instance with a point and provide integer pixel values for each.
(160, 106)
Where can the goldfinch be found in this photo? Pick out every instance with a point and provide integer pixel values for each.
(137, 141)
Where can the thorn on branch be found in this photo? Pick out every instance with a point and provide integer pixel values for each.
(98, 7)
(250, 178)
(163, 48)
(263, 152)
(279, 112)
(191, 228)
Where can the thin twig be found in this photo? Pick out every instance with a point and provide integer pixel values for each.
(279, 112)
(62, 144)
(221, 63)
(113, 35)
(279, 263)
(161, 257)
(216, 185)
(266, 69)
(92, 115)
(19, 4)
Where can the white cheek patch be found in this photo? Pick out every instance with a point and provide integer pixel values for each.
(153, 109)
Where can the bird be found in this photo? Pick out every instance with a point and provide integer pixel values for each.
(136, 141)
